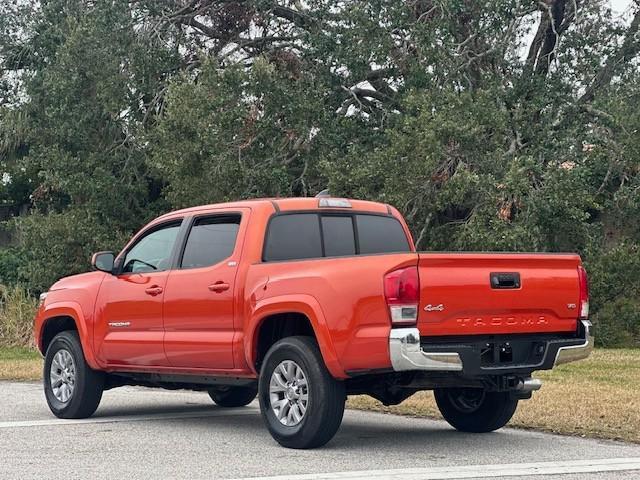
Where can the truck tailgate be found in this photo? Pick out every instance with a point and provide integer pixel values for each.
(497, 293)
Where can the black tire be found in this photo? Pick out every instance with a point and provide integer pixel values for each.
(88, 384)
(228, 396)
(474, 409)
(325, 395)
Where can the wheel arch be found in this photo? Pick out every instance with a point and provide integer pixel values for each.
(280, 317)
(66, 316)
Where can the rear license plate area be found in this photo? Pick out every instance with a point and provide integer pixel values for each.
(515, 352)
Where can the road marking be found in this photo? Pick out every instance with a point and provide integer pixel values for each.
(477, 471)
(227, 412)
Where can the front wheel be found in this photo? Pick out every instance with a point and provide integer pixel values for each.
(301, 403)
(71, 387)
(474, 409)
(228, 396)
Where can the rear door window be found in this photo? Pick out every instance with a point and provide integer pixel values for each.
(210, 240)
(294, 236)
(377, 234)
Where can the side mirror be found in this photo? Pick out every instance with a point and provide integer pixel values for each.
(103, 261)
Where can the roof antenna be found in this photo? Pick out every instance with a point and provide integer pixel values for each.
(323, 193)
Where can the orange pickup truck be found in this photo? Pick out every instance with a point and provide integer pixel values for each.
(304, 301)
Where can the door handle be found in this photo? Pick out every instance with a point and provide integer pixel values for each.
(154, 290)
(219, 287)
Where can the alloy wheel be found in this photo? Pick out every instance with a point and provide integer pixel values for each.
(289, 393)
(62, 375)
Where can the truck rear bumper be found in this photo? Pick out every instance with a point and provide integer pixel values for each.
(571, 353)
(495, 355)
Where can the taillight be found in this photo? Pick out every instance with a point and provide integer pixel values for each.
(402, 292)
(584, 292)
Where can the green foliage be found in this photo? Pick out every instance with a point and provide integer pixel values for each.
(62, 242)
(11, 259)
(618, 323)
(17, 309)
(487, 126)
(615, 294)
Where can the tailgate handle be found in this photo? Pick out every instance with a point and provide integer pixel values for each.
(502, 280)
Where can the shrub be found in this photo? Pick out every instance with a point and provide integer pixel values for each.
(614, 275)
(617, 324)
(60, 244)
(10, 262)
(17, 310)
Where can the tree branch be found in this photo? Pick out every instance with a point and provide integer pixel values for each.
(629, 49)
(555, 19)
(294, 16)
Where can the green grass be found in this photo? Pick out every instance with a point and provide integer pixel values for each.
(18, 353)
(19, 363)
(615, 367)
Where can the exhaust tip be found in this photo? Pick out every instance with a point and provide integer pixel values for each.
(528, 384)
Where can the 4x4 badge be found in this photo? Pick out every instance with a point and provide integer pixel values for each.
(434, 308)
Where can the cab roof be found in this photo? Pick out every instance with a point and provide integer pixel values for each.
(288, 204)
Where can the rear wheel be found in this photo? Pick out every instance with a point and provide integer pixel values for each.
(475, 409)
(301, 403)
(71, 387)
(228, 396)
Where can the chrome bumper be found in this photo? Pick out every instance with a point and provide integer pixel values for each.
(576, 352)
(406, 354)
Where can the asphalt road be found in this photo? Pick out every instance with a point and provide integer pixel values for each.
(142, 433)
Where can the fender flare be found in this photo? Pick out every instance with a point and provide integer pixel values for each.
(304, 304)
(74, 311)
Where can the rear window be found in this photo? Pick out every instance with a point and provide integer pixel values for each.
(211, 240)
(298, 236)
(380, 235)
(338, 236)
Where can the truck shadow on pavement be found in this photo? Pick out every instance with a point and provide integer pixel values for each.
(360, 430)
(120, 412)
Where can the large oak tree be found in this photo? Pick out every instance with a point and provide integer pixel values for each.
(494, 125)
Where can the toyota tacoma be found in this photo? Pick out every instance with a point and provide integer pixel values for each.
(304, 301)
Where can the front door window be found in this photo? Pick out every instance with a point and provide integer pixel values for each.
(152, 253)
